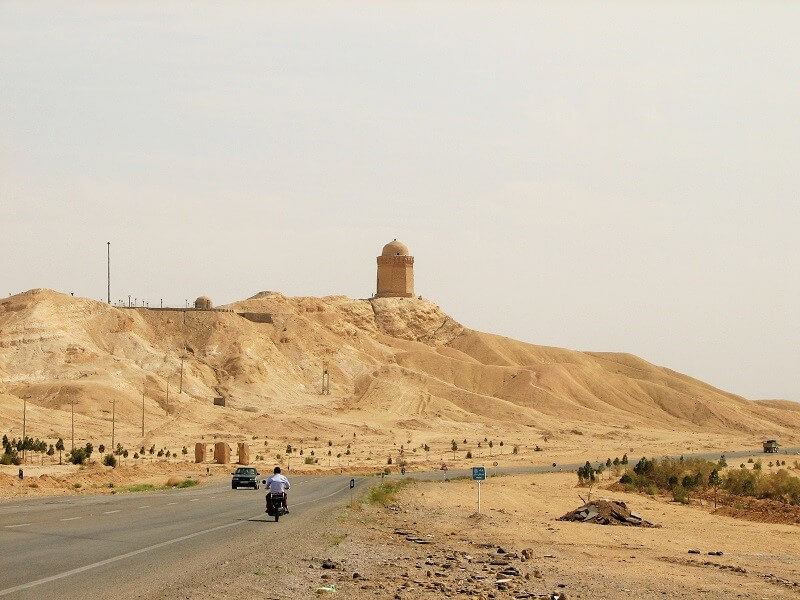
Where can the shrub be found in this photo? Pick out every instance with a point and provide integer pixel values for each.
(626, 478)
(78, 456)
(110, 460)
(469, 454)
(309, 460)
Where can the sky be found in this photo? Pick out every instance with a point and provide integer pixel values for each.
(596, 176)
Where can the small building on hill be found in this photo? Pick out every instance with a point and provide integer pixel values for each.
(203, 303)
(771, 446)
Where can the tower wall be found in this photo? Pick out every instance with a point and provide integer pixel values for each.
(395, 277)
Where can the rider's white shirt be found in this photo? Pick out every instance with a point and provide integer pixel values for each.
(278, 483)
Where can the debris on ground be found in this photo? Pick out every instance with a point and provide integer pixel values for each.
(606, 512)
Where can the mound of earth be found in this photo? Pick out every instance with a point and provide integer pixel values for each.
(606, 512)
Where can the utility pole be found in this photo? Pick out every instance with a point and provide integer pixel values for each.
(113, 422)
(24, 418)
(108, 244)
(182, 357)
(326, 379)
(142, 411)
(73, 423)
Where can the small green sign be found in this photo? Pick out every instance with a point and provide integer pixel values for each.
(479, 473)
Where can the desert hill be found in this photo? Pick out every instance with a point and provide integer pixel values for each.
(397, 367)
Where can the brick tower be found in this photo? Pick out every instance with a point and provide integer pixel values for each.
(395, 272)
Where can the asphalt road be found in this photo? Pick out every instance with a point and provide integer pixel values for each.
(86, 546)
(118, 545)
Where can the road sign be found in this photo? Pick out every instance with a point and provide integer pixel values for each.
(479, 473)
(352, 483)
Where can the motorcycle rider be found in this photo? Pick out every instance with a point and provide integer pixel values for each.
(278, 484)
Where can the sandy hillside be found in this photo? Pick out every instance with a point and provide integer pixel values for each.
(400, 369)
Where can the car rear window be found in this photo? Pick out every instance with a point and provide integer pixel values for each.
(246, 471)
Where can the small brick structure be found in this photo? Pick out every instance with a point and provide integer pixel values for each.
(219, 401)
(200, 453)
(222, 453)
(244, 454)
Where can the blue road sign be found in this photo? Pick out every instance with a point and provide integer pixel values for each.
(479, 473)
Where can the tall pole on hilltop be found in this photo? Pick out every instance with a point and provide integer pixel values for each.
(108, 245)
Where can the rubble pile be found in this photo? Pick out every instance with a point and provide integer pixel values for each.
(606, 512)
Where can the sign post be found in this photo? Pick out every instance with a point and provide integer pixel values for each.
(352, 485)
(479, 474)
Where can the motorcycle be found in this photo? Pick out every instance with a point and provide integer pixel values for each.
(275, 507)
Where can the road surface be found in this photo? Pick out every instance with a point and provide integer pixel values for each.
(94, 546)
(139, 544)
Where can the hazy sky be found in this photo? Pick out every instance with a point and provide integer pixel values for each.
(597, 176)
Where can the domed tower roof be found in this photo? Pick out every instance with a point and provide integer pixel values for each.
(395, 248)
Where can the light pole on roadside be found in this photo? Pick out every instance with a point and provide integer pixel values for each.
(24, 419)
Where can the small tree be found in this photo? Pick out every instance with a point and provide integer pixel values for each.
(515, 449)
(101, 448)
(608, 463)
(51, 451)
(469, 454)
(454, 448)
(714, 480)
(491, 445)
(501, 446)
(185, 451)
(60, 448)
(110, 460)
(688, 484)
(586, 477)
(624, 459)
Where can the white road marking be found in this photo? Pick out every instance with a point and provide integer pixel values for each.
(19, 525)
(30, 584)
(72, 519)
(110, 512)
(194, 500)
(145, 506)
(170, 503)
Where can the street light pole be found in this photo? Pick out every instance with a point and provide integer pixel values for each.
(108, 245)
(24, 418)
(113, 422)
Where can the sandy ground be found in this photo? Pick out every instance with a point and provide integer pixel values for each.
(588, 560)
(430, 543)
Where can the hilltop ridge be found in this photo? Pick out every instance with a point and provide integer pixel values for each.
(396, 364)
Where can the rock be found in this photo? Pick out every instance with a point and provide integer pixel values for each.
(694, 551)
(527, 553)
(357, 575)
(501, 551)
(329, 564)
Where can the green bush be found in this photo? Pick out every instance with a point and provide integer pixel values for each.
(110, 460)
(309, 460)
(78, 456)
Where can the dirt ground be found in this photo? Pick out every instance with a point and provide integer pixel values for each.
(431, 544)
